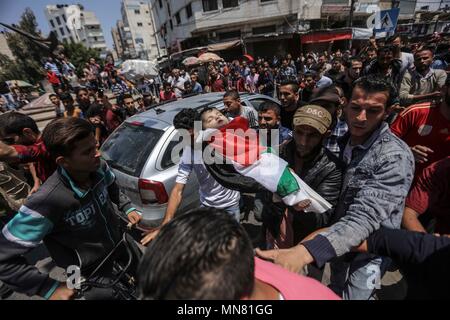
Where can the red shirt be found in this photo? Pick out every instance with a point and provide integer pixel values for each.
(53, 78)
(37, 153)
(218, 85)
(431, 194)
(112, 120)
(239, 85)
(423, 124)
(167, 96)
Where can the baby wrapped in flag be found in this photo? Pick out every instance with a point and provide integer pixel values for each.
(233, 155)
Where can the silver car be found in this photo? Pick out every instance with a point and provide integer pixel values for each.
(139, 152)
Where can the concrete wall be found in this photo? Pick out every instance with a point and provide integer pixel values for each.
(249, 14)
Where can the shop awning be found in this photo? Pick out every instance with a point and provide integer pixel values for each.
(326, 36)
(224, 45)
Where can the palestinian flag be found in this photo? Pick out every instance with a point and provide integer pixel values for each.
(234, 157)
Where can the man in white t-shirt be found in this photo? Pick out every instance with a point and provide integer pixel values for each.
(212, 194)
(178, 83)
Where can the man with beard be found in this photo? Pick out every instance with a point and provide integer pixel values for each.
(315, 165)
(269, 119)
(424, 83)
(386, 65)
(308, 85)
(376, 181)
(129, 106)
(425, 128)
(351, 75)
(289, 99)
(337, 70)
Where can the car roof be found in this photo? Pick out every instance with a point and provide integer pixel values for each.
(166, 111)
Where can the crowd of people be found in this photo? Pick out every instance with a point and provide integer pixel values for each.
(362, 140)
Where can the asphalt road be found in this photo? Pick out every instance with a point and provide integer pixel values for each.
(393, 285)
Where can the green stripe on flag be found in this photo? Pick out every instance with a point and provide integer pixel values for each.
(268, 150)
(287, 183)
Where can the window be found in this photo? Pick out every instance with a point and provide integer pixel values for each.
(52, 23)
(160, 3)
(128, 148)
(210, 5)
(256, 103)
(168, 159)
(68, 31)
(64, 17)
(171, 24)
(139, 24)
(168, 10)
(177, 18)
(267, 1)
(58, 21)
(229, 35)
(61, 30)
(189, 10)
(263, 30)
(230, 3)
(137, 11)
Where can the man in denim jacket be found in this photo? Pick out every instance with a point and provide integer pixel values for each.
(379, 173)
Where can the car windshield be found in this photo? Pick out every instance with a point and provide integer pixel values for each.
(128, 148)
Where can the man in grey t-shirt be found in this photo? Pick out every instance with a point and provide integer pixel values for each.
(234, 108)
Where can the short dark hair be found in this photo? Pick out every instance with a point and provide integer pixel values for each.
(354, 59)
(66, 96)
(427, 48)
(269, 105)
(127, 96)
(185, 119)
(61, 135)
(393, 37)
(82, 89)
(15, 122)
(203, 254)
(94, 110)
(293, 84)
(53, 95)
(377, 83)
(234, 94)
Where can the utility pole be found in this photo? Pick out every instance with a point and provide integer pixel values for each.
(350, 21)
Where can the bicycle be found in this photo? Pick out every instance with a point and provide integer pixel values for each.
(123, 286)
